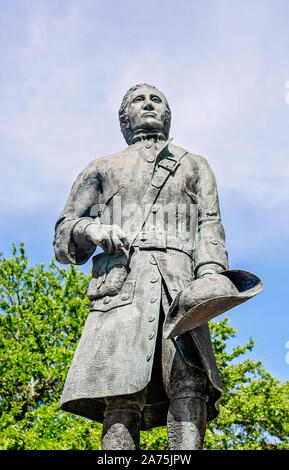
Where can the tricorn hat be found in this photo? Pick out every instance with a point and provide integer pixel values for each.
(208, 297)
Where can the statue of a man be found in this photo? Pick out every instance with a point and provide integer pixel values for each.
(125, 373)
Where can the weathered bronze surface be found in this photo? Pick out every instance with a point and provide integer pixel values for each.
(207, 297)
(153, 208)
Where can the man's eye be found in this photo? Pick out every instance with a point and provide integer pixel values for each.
(156, 99)
(138, 98)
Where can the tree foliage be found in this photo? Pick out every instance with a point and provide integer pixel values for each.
(42, 313)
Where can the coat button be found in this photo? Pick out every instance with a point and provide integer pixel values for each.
(214, 242)
(151, 335)
(154, 279)
(153, 261)
(150, 159)
(151, 318)
(149, 355)
(106, 300)
(148, 144)
(153, 300)
(124, 297)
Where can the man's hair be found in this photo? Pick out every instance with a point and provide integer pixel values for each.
(123, 113)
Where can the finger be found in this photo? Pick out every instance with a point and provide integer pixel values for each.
(116, 242)
(125, 242)
(117, 232)
(124, 239)
(109, 245)
(102, 245)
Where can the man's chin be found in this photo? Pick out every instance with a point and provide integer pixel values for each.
(149, 130)
(151, 125)
(151, 121)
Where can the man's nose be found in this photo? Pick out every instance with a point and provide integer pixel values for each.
(148, 105)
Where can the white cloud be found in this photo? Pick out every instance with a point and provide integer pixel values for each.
(70, 87)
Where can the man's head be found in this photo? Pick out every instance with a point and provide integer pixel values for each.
(144, 108)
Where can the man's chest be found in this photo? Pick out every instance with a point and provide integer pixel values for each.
(130, 181)
(175, 202)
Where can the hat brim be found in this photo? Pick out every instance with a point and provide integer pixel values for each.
(178, 322)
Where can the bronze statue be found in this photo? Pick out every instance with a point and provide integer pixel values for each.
(145, 357)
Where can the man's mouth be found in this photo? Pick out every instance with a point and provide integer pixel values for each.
(150, 113)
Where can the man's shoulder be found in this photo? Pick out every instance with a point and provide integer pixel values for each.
(194, 158)
(108, 161)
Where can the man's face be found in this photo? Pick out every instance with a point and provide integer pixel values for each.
(146, 109)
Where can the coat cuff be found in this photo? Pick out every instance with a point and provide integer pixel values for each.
(68, 250)
(209, 268)
(210, 252)
(78, 233)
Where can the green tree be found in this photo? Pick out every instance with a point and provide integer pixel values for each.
(255, 405)
(42, 313)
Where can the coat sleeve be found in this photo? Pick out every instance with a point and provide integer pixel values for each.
(70, 245)
(210, 253)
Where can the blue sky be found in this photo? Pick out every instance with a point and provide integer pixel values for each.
(223, 65)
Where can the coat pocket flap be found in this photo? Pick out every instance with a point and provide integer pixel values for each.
(108, 275)
(124, 297)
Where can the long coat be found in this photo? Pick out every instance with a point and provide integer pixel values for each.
(116, 352)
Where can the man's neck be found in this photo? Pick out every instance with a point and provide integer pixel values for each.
(147, 134)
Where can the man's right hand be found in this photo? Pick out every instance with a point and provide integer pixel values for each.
(109, 237)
